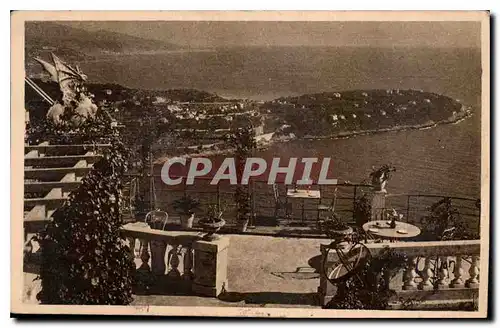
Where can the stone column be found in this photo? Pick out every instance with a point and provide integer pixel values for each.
(210, 266)
(378, 205)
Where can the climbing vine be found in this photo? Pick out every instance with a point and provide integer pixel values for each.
(84, 259)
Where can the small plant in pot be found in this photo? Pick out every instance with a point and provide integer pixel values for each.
(212, 222)
(243, 209)
(381, 176)
(186, 206)
(335, 229)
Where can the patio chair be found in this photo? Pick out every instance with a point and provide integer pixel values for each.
(329, 207)
(156, 219)
(279, 204)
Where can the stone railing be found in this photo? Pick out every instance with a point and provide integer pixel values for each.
(422, 281)
(177, 261)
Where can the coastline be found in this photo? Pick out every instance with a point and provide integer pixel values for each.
(456, 119)
(424, 126)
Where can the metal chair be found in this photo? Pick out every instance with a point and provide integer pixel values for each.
(155, 217)
(328, 207)
(279, 204)
(331, 206)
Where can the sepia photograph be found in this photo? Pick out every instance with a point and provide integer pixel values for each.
(251, 164)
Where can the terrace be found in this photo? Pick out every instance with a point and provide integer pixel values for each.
(175, 265)
(280, 261)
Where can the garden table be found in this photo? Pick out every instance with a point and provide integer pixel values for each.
(303, 194)
(382, 229)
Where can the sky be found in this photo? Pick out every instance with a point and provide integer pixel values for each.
(216, 34)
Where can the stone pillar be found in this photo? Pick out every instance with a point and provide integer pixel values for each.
(210, 266)
(378, 205)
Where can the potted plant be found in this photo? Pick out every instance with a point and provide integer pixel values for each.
(334, 228)
(213, 222)
(242, 200)
(381, 176)
(243, 141)
(186, 206)
(362, 210)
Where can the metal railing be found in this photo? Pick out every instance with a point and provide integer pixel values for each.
(413, 206)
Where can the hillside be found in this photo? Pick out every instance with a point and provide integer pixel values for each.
(76, 44)
(341, 113)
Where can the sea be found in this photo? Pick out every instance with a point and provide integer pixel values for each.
(441, 160)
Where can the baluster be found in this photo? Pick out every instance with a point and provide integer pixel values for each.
(443, 273)
(144, 255)
(188, 264)
(158, 250)
(457, 281)
(426, 283)
(138, 246)
(131, 246)
(173, 261)
(473, 281)
(410, 274)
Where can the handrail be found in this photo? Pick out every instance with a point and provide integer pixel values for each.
(431, 196)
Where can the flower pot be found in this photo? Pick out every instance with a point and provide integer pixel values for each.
(211, 227)
(339, 234)
(243, 224)
(187, 221)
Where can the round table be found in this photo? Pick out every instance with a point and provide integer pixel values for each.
(386, 232)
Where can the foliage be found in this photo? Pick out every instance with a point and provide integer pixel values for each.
(331, 113)
(444, 222)
(243, 140)
(214, 214)
(92, 130)
(371, 290)
(333, 223)
(186, 205)
(84, 259)
(243, 200)
(362, 210)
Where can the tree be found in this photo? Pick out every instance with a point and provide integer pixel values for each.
(243, 141)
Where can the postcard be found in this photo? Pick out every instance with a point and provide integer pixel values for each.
(251, 164)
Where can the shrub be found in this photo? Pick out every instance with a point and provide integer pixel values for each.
(84, 259)
(369, 290)
(243, 141)
(362, 210)
(444, 222)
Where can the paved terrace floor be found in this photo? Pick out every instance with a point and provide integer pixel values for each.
(263, 271)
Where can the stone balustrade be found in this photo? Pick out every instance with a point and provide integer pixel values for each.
(438, 272)
(177, 261)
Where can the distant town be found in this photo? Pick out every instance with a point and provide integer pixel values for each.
(200, 120)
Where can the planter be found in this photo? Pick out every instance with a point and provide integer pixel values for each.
(211, 227)
(339, 234)
(243, 224)
(187, 221)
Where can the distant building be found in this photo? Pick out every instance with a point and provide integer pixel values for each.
(160, 100)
